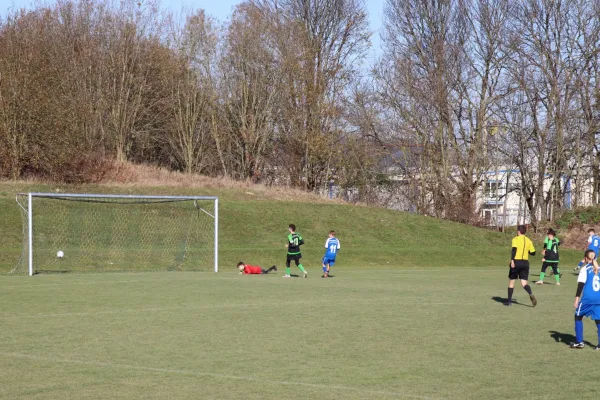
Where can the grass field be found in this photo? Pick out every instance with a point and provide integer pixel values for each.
(433, 333)
(414, 312)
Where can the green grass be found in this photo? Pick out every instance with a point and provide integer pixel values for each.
(368, 333)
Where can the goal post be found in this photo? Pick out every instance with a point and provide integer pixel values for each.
(64, 232)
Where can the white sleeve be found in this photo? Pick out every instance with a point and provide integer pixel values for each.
(339, 246)
(589, 240)
(327, 243)
(582, 275)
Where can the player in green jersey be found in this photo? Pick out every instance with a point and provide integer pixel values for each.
(550, 259)
(294, 241)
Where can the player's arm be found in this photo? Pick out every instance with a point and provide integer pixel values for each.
(513, 253)
(531, 249)
(581, 279)
(545, 247)
(300, 240)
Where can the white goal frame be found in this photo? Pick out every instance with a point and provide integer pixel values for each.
(29, 211)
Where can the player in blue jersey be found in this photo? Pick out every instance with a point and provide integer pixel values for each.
(589, 305)
(332, 244)
(593, 244)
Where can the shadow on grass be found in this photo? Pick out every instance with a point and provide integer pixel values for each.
(566, 338)
(503, 300)
(49, 272)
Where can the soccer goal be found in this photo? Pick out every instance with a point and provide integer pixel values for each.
(106, 232)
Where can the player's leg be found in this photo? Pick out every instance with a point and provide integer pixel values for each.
(542, 274)
(512, 275)
(329, 265)
(523, 276)
(578, 267)
(598, 330)
(273, 268)
(299, 265)
(556, 272)
(325, 267)
(578, 344)
(287, 267)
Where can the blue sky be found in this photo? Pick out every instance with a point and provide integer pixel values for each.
(221, 9)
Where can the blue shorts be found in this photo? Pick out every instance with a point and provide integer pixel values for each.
(588, 310)
(328, 261)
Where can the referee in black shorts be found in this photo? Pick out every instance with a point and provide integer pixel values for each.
(522, 248)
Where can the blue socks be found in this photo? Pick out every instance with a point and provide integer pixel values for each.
(580, 264)
(579, 330)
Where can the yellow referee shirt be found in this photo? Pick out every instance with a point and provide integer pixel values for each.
(524, 247)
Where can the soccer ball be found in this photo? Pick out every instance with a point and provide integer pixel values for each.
(60, 254)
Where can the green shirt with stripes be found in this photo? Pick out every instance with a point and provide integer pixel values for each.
(294, 242)
(551, 247)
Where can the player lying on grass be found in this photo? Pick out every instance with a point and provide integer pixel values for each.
(522, 248)
(593, 244)
(253, 269)
(294, 241)
(550, 259)
(332, 244)
(587, 305)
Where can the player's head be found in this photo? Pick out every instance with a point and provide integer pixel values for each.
(292, 228)
(241, 265)
(591, 232)
(331, 234)
(590, 256)
(551, 233)
(521, 229)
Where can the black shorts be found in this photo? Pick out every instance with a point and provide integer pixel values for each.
(553, 265)
(520, 271)
(294, 257)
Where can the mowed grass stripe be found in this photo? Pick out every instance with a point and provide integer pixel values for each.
(325, 387)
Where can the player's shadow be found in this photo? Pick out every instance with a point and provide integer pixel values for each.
(503, 300)
(566, 338)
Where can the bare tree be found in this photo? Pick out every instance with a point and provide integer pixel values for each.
(319, 44)
(192, 94)
(248, 87)
(441, 76)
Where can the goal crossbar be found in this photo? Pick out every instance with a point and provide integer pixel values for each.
(97, 198)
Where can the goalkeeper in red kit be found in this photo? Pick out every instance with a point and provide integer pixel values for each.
(253, 269)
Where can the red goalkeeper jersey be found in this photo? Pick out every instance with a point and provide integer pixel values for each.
(251, 269)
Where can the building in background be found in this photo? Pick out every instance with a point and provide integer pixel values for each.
(502, 203)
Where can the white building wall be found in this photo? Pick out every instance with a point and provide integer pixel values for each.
(502, 204)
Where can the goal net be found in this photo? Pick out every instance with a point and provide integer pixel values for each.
(94, 233)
